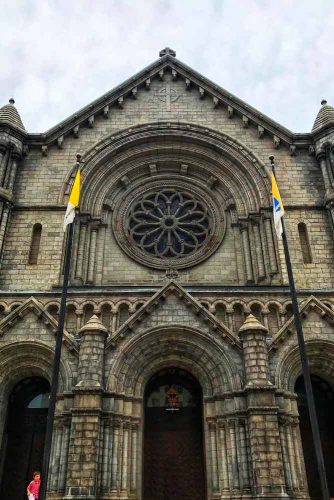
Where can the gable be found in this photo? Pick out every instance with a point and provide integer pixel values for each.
(176, 82)
(317, 320)
(30, 321)
(173, 306)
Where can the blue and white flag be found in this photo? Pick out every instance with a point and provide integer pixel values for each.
(277, 207)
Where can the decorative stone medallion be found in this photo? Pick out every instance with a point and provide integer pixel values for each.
(168, 223)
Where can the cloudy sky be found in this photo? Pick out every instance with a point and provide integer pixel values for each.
(58, 55)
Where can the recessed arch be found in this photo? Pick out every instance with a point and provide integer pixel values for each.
(147, 352)
(320, 354)
(24, 438)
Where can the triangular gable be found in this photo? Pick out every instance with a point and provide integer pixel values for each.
(32, 305)
(157, 300)
(192, 79)
(311, 304)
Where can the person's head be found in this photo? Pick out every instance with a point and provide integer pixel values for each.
(36, 476)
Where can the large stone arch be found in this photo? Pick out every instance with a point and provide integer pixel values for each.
(27, 359)
(242, 179)
(320, 354)
(137, 359)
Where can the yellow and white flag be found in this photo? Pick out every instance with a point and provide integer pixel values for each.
(277, 207)
(73, 201)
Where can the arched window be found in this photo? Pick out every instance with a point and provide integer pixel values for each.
(35, 243)
(221, 313)
(106, 316)
(88, 312)
(273, 319)
(123, 314)
(304, 243)
(238, 316)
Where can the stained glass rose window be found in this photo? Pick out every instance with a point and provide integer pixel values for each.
(169, 223)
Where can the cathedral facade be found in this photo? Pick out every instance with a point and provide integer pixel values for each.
(180, 373)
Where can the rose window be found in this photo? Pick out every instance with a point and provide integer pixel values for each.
(169, 223)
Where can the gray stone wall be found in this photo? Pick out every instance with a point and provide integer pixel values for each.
(251, 434)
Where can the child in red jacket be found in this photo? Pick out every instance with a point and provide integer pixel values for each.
(34, 486)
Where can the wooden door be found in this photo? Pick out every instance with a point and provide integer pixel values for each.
(173, 447)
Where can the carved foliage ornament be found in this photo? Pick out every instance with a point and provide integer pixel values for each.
(168, 224)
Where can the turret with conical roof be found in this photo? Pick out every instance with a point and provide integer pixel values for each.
(12, 134)
(90, 370)
(323, 132)
(10, 116)
(325, 117)
(262, 413)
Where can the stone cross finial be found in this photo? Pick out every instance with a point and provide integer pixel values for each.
(167, 52)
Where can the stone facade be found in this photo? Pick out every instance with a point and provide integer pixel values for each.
(224, 316)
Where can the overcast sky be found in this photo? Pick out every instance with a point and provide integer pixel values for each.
(57, 56)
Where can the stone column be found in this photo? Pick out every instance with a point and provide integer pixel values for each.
(134, 459)
(243, 456)
(3, 154)
(6, 210)
(15, 158)
(262, 411)
(84, 453)
(115, 462)
(223, 461)
(214, 486)
(239, 268)
(258, 249)
(270, 245)
(79, 268)
(247, 253)
(323, 158)
(92, 255)
(126, 460)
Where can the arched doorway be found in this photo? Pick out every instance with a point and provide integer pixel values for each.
(23, 442)
(173, 442)
(324, 402)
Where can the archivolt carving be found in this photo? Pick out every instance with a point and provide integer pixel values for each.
(320, 355)
(126, 155)
(25, 359)
(138, 358)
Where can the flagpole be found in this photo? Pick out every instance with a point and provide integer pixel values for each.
(305, 365)
(56, 361)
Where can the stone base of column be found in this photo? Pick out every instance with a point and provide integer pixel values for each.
(271, 492)
(300, 495)
(124, 495)
(236, 496)
(79, 493)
